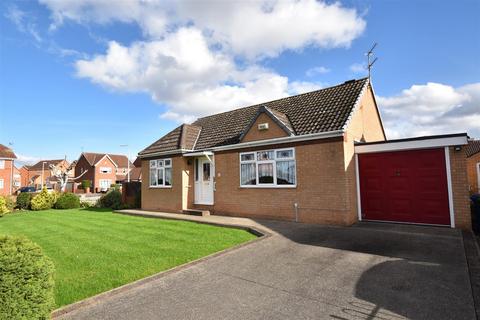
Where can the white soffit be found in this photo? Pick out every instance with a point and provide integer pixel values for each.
(426, 143)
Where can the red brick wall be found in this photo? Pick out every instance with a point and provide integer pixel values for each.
(472, 173)
(6, 175)
(461, 204)
(273, 131)
(82, 166)
(170, 199)
(319, 194)
(105, 162)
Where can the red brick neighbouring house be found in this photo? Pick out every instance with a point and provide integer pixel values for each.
(7, 170)
(318, 157)
(102, 169)
(40, 174)
(473, 165)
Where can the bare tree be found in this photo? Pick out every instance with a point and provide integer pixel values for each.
(63, 175)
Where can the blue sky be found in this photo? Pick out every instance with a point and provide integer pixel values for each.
(93, 75)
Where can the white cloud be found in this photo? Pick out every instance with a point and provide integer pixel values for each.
(266, 28)
(24, 159)
(298, 87)
(358, 68)
(182, 72)
(188, 59)
(247, 28)
(432, 108)
(23, 22)
(316, 71)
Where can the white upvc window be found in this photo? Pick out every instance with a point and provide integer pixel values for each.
(2, 164)
(105, 169)
(161, 173)
(1, 183)
(274, 168)
(105, 184)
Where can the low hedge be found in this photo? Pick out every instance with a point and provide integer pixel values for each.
(23, 200)
(44, 200)
(26, 280)
(67, 200)
(112, 199)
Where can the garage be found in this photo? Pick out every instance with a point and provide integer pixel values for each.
(407, 180)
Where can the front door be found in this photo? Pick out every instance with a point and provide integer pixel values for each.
(204, 174)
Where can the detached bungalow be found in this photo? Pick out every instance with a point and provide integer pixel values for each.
(307, 158)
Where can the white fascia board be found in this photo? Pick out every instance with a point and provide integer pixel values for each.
(163, 153)
(198, 154)
(411, 145)
(289, 139)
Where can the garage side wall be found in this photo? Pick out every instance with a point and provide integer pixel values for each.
(365, 125)
(458, 169)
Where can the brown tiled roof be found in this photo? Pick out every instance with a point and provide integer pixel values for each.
(319, 111)
(38, 166)
(138, 162)
(120, 160)
(136, 174)
(6, 152)
(472, 148)
(182, 137)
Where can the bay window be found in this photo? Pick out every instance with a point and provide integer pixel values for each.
(274, 168)
(161, 173)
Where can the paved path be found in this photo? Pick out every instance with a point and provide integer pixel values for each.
(369, 271)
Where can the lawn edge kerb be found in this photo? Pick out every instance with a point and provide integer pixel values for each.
(260, 233)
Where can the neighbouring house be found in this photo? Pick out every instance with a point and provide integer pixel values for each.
(24, 179)
(7, 170)
(39, 174)
(473, 166)
(102, 169)
(17, 179)
(318, 157)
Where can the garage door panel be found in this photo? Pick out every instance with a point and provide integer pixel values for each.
(404, 186)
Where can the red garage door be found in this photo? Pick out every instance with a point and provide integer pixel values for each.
(404, 186)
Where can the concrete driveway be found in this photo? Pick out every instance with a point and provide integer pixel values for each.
(369, 271)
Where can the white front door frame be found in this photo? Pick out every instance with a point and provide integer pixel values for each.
(204, 186)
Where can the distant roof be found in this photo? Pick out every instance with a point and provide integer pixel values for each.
(472, 148)
(136, 174)
(6, 153)
(120, 160)
(319, 111)
(38, 166)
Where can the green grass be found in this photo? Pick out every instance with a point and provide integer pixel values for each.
(95, 251)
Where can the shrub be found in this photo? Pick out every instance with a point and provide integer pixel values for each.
(67, 200)
(26, 280)
(43, 201)
(3, 206)
(86, 184)
(86, 204)
(23, 200)
(112, 199)
(6, 205)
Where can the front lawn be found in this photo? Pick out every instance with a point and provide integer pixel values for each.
(95, 251)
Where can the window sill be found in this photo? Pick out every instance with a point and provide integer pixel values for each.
(160, 187)
(269, 187)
